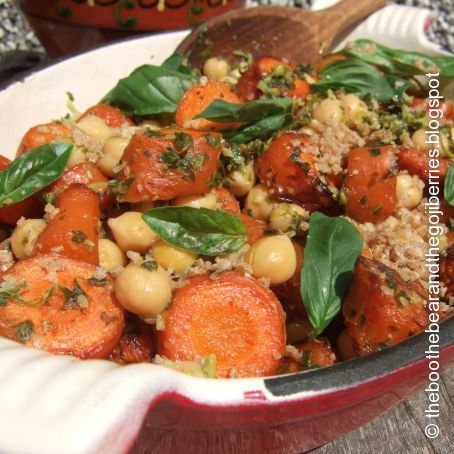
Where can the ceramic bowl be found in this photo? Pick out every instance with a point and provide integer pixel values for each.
(53, 404)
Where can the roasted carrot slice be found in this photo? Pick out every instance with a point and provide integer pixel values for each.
(58, 307)
(136, 345)
(370, 185)
(227, 201)
(255, 228)
(196, 99)
(73, 231)
(172, 163)
(28, 208)
(88, 174)
(313, 354)
(227, 317)
(42, 134)
(113, 117)
(288, 168)
(381, 309)
(416, 162)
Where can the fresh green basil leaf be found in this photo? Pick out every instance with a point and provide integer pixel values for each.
(32, 172)
(176, 62)
(449, 185)
(260, 118)
(355, 76)
(333, 245)
(446, 65)
(151, 89)
(200, 230)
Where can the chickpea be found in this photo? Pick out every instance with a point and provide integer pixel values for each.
(353, 107)
(110, 255)
(273, 258)
(328, 111)
(258, 203)
(131, 233)
(143, 292)
(168, 256)
(240, 182)
(345, 346)
(208, 200)
(298, 331)
(94, 127)
(112, 152)
(216, 68)
(409, 190)
(419, 139)
(287, 216)
(76, 156)
(25, 235)
(151, 124)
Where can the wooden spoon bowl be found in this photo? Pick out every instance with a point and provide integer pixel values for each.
(297, 35)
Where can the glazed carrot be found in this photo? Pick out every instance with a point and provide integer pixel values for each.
(289, 293)
(255, 228)
(58, 308)
(136, 345)
(325, 60)
(381, 309)
(447, 108)
(28, 208)
(227, 317)
(42, 134)
(247, 86)
(73, 231)
(226, 200)
(314, 354)
(416, 162)
(159, 167)
(113, 117)
(370, 185)
(289, 169)
(196, 99)
(88, 174)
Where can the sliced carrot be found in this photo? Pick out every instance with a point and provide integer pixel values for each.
(227, 317)
(73, 232)
(227, 201)
(158, 169)
(196, 99)
(381, 309)
(288, 168)
(254, 227)
(28, 208)
(416, 162)
(60, 310)
(43, 134)
(88, 174)
(447, 107)
(136, 345)
(246, 88)
(370, 185)
(113, 117)
(325, 60)
(314, 354)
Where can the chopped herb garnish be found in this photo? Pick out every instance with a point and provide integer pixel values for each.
(183, 141)
(209, 366)
(96, 282)
(376, 209)
(119, 188)
(149, 265)
(295, 158)
(75, 298)
(364, 201)
(213, 141)
(78, 236)
(11, 290)
(24, 330)
(188, 164)
(153, 132)
(375, 151)
(106, 319)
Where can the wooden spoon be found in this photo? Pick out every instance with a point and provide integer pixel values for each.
(299, 36)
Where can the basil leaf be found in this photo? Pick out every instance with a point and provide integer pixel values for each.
(32, 172)
(356, 76)
(446, 65)
(151, 89)
(449, 185)
(333, 245)
(200, 230)
(261, 118)
(176, 62)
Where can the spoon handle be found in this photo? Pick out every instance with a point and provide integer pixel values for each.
(336, 19)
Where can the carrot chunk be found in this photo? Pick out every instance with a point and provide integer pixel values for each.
(88, 174)
(416, 162)
(172, 163)
(113, 117)
(58, 308)
(255, 228)
(381, 309)
(228, 317)
(73, 232)
(196, 99)
(227, 201)
(370, 185)
(42, 134)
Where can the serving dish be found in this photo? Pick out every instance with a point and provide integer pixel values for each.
(64, 405)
